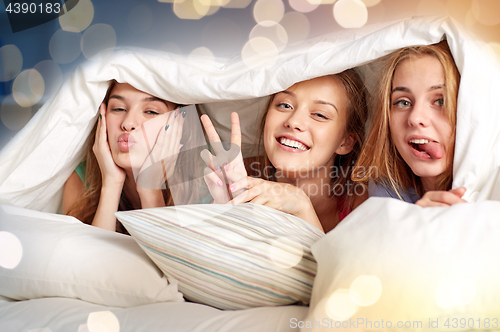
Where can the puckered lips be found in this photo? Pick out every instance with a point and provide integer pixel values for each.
(291, 144)
(424, 147)
(125, 142)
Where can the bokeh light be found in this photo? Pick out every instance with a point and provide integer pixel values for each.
(275, 33)
(11, 250)
(371, 3)
(190, 9)
(350, 13)
(202, 54)
(12, 115)
(11, 62)
(486, 12)
(470, 21)
(97, 38)
(103, 321)
(213, 6)
(28, 88)
(51, 74)
(237, 4)
(365, 290)
(339, 305)
(268, 12)
(258, 51)
(455, 293)
(297, 26)
(431, 7)
(303, 6)
(78, 18)
(285, 252)
(223, 35)
(140, 19)
(64, 46)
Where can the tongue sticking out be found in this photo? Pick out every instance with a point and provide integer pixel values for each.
(433, 149)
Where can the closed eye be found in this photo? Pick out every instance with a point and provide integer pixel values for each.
(151, 112)
(118, 109)
(321, 116)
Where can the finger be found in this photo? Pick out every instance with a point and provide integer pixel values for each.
(207, 158)
(429, 203)
(102, 125)
(458, 191)
(235, 129)
(246, 182)
(247, 196)
(443, 197)
(209, 128)
(211, 178)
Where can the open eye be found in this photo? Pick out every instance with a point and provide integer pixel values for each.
(439, 102)
(402, 103)
(284, 105)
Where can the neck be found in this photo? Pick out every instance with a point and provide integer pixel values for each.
(130, 191)
(317, 187)
(429, 183)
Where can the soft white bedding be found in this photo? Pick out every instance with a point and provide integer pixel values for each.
(37, 162)
(64, 315)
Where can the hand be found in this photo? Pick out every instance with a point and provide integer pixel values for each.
(158, 163)
(442, 198)
(226, 167)
(280, 196)
(111, 173)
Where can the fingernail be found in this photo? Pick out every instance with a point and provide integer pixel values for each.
(181, 110)
(184, 114)
(217, 168)
(227, 167)
(219, 183)
(166, 127)
(182, 147)
(232, 188)
(100, 116)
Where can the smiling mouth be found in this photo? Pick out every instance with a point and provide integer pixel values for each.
(292, 144)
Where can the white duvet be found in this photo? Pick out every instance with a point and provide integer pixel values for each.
(37, 162)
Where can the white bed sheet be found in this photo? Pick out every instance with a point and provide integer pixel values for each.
(70, 315)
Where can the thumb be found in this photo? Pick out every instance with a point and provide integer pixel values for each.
(458, 191)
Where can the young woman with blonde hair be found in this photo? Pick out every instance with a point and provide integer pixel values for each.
(311, 133)
(410, 146)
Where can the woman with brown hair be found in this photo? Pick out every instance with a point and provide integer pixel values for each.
(311, 134)
(133, 133)
(409, 150)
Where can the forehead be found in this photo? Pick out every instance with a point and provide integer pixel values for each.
(125, 88)
(326, 88)
(424, 69)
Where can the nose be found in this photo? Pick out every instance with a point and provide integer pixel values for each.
(296, 120)
(130, 121)
(419, 115)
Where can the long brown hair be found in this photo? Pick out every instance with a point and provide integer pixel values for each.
(380, 159)
(355, 127)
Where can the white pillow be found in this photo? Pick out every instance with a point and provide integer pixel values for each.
(229, 257)
(426, 269)
(47, 255)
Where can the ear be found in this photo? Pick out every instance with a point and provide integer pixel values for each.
(346, 145)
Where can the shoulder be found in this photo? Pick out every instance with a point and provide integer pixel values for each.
(382, 190)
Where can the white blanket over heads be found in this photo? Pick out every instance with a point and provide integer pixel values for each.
(37, 162)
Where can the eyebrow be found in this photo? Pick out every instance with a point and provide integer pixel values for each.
(318, 101)
(404, 89)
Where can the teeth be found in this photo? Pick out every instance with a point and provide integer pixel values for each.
(419, 141)
(292, 144)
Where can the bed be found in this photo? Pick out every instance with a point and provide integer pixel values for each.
(389, 261)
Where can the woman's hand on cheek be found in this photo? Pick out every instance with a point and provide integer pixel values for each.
(442, 198)
(111, 173)
(159, 163)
